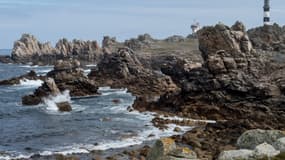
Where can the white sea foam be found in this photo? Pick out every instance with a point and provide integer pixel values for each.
(91, 65)
(108, 91)
(29, 66)
(181, 119)
(51, 101)
(30, 83)
(14, 155)
(43, 72)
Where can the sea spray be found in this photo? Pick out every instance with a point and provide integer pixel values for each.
(51, 101)
(31, 83)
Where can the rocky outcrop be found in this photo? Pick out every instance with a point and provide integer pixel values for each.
(32, 75)
(269, 37)
(29, 49)
(28, 46)
(122, 69)
(235, 85)
(67, 75)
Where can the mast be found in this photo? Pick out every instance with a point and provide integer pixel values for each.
(266, 8)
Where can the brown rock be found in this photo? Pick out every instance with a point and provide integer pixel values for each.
(64, 107)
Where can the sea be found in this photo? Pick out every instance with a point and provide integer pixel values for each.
(95, 123)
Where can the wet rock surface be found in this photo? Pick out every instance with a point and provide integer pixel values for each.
(17, 80)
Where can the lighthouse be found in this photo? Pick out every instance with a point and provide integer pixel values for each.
(266, 8)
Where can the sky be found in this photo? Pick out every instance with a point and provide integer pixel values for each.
(50, 20)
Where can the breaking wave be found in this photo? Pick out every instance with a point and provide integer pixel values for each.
(30, 83)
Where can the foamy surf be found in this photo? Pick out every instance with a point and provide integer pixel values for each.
(30, 83)
(51, 101)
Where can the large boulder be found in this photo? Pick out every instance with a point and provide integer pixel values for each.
(250, 139)
(166, 149)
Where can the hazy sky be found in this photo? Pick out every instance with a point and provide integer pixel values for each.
(50, 20)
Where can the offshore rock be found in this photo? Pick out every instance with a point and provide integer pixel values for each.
(64, 107)
(48, 88)
(32, 75)
(29, 49)
(67, 75)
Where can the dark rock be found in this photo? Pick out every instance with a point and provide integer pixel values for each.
(236, 85)
(67, 75)
(6, 59)
(16, 80)
(122, 69)
(64, 107)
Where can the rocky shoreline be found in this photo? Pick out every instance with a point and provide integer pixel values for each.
(232, 76)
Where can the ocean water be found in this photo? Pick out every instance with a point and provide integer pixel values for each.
(94, 124)
(5, 51)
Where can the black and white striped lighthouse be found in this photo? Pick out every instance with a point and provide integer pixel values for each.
(266, 19)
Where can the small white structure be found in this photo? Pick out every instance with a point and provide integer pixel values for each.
(195, 27)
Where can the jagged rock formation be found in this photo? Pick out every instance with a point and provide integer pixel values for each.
(28, 46)
(236, 85)
(269, 37)
(67, 75)
(122, 69)
(29, 49)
